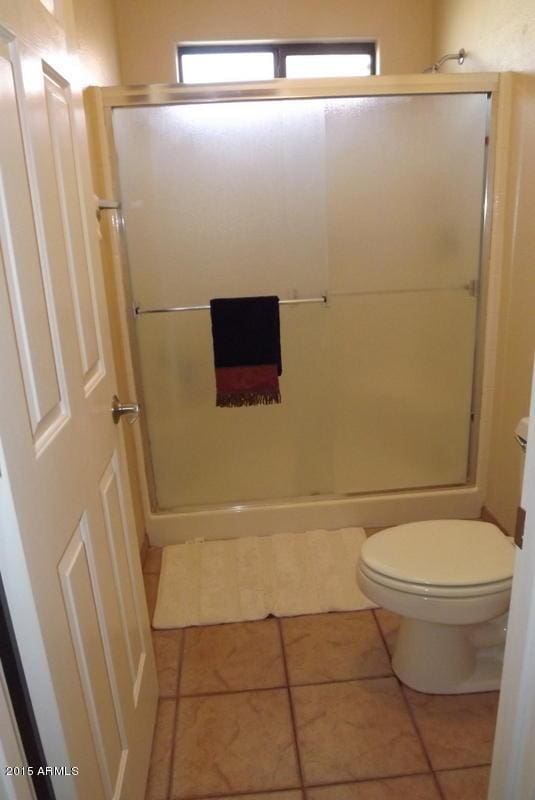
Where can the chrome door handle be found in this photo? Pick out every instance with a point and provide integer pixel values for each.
(119, 409)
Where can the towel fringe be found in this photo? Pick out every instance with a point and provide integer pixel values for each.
(238, 399)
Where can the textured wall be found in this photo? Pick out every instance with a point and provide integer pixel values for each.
(501, 36)
(97, 41)
(149, 31)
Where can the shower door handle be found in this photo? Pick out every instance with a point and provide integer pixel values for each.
(119, 409)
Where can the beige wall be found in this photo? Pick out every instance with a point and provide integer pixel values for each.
(97, 42)
(501, 36)
(497, 35)
(149, 31)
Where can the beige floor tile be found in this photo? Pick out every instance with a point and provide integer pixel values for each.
(330, 647)
(465, 784)
(458, 730)
(222, 658)
(294, 794)
(417, 787)
(167, 652)
(153, 561)
(162, 748)
(151, 592)
(231, 743)
(389, 623)
(355, 730)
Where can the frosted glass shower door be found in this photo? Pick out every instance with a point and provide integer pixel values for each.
(405, 180)
(376, 201)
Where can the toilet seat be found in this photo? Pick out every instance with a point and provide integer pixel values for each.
(428, 590)
(440, 558)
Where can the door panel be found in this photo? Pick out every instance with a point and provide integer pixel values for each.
(60, 116)
(123, 578)
(86, 633)
(32, 305)
(63, 454)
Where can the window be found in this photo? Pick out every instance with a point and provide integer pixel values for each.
(49, 5)
(259, 62)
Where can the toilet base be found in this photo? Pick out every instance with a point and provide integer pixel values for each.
(449, 659)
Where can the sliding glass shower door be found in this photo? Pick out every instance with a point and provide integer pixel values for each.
(375, 203)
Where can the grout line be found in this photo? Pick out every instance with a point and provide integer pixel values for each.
(354, 781)
(245, 793)
(175, 721)
(415, 723)
(292, 712)
(421, 738)
(460, 769)
(410, 713)
(438, 786)
(370, 779)
(284, 686)
(382, 635)
(235, 691)
(154, 735)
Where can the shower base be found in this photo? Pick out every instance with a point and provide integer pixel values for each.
(262, 518)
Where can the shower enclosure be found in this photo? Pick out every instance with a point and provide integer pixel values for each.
(368, 213)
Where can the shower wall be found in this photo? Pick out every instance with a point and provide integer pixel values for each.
(376, 202)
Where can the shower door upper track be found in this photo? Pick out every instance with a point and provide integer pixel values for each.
(288, 88)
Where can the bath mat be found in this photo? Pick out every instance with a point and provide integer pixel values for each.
(236, 580)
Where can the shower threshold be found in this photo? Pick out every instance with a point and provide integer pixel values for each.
(259, 518)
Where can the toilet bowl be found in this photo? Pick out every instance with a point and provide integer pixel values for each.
(450, 580)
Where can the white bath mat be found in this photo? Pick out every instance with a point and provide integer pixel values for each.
(286, 574)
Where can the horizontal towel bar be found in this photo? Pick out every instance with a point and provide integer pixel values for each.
(472, 287)
(138, 311)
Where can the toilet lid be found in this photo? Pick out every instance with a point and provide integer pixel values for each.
(441, 553)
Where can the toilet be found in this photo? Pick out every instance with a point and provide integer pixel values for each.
(450, 580)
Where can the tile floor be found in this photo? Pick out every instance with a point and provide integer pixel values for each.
(306, 708)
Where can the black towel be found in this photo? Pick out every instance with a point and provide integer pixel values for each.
(247, 352)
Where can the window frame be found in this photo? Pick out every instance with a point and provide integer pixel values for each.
(280, 52)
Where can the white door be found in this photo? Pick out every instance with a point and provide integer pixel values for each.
(68, 552)
(513, 765)
(13, 786)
